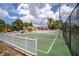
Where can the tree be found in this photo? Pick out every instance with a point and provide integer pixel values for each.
(2, 25)
(8, 27)
(17, 24)
(26, 24)
(50, 23)
(54, 24)
(61, 23)
(30, 24)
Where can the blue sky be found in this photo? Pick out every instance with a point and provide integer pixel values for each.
(35, 13)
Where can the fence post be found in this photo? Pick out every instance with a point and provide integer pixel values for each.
(70, 34)
(59, 18)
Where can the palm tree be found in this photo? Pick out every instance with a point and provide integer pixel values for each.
(50, 23)
(54, 24)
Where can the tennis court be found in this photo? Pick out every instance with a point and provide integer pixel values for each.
(44, 41)
(39, 43)
(48, 43)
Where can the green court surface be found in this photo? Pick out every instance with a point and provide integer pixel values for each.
(49, 44)
(75, 43)
(58, 49)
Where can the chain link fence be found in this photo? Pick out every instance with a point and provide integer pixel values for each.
(71, 31)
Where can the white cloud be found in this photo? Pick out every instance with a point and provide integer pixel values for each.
(42, 16)
(4, 13)
(45, 12)
(40, 21)
(45, 21)
(36, 25)
(39, 15)
(56, 15)
(65, 11)
(23, 9)
(38, 12)
(24, 12)
(27, 18)
(14, 17)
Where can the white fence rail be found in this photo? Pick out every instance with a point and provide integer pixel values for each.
(24, 43)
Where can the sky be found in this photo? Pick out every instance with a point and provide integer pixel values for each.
(37, 13)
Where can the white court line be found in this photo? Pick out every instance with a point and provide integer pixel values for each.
(42, 51)
(50, 46)
(52, 43)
